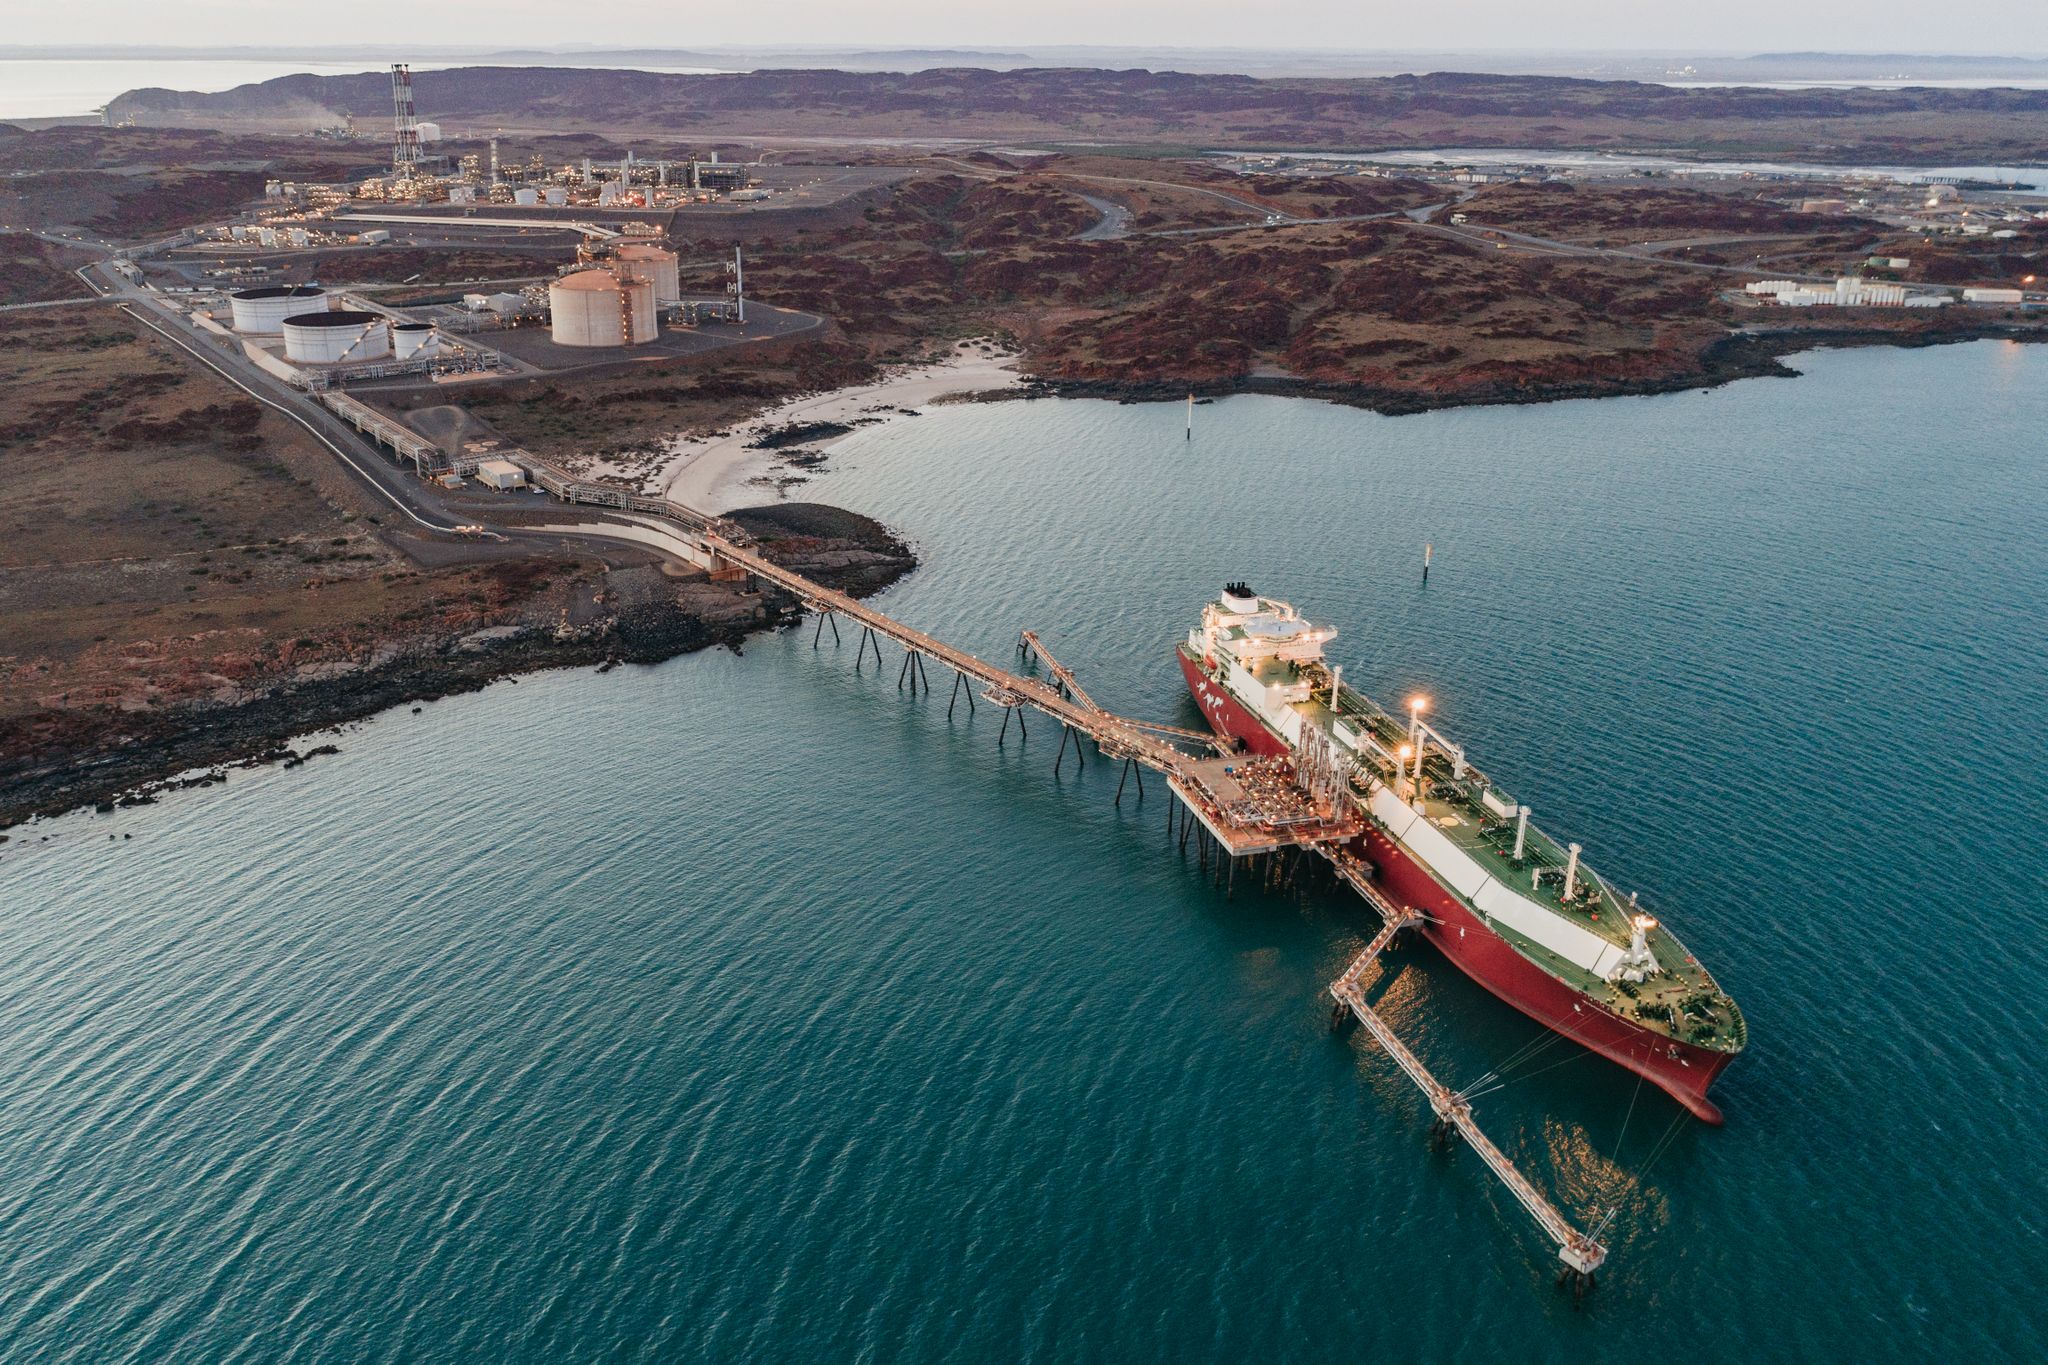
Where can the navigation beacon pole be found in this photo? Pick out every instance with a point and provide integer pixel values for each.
(1427, 550)
(1191, 417)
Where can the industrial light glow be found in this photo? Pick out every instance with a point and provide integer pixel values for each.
(1418, 704)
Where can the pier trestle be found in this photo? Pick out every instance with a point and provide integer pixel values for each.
(1581, 1254)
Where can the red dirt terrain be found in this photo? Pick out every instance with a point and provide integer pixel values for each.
(1386, 312)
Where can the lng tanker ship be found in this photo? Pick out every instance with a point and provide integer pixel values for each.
(1522, 916)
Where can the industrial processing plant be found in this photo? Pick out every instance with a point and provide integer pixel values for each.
(627, 182)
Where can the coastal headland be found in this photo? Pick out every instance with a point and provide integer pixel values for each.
(195, 574)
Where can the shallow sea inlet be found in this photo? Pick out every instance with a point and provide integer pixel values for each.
(746, 1008)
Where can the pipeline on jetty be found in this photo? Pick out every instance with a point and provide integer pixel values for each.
(1247, 807)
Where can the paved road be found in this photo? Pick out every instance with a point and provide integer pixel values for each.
(1114, 223)
(1280, 221)
(1478, 234)
(1260, 211)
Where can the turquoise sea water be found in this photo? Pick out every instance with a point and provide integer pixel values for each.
(745, 1008)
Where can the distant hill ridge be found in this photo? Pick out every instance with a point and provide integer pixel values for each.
(1205, 109)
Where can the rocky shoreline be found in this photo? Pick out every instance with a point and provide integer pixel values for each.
(1737, 356)
(110, 758)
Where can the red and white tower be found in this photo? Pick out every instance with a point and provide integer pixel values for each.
(405, 125)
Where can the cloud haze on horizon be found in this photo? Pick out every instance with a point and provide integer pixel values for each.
(2010, 27)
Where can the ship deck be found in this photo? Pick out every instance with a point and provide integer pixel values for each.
(1452, 803)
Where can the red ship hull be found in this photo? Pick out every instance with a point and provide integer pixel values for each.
(1679, 1069)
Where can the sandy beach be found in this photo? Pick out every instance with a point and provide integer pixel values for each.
(718, 473)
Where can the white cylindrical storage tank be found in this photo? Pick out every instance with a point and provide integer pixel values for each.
(429, 132)
(525, 196)
(557, 196)
(597, 308)
(409, 339)
(654, 264)
(264, 310)
(338, 337)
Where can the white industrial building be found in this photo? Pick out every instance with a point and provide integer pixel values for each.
(505, 305)
(341, 336)
(1994, 296)
(502, 475)
(263, 311)
(1849, 291)
(598, 308)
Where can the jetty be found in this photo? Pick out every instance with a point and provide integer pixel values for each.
(1237, 807)
(1248, 807)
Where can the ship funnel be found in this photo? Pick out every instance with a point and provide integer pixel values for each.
(1239, 599)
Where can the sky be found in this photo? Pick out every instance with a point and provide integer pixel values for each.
(1725, 26)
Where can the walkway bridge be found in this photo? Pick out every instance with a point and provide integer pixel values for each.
(1580, 1253)
(402, 441)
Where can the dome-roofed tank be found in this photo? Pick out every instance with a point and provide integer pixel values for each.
(337, 337)
(652, 263)
(264, 310)
(597, 308)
